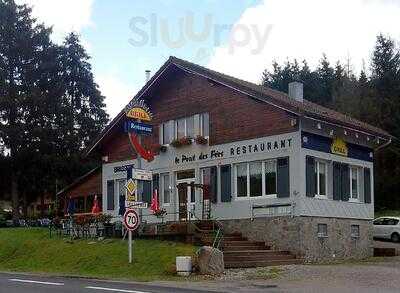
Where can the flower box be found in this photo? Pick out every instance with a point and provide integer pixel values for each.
(177, 143)
(201, 140)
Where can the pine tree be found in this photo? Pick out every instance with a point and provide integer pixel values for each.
(22, 42)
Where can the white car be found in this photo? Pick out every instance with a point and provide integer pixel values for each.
(387, 228)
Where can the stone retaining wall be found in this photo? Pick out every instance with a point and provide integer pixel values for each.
(299, 235)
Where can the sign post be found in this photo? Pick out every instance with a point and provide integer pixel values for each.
(131, 221)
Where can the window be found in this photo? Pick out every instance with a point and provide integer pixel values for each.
(187, 174)
(354, 181)
(355, 231)
(121, 187)
(110, 195)
(320, 178)
(180, 128)
(270, 177)
(165, 189)
(185, 127)
(80, 205)
(322, 230)
(205, 124)
(209, 178)
(241, 180)
(190, 126)
(256, 179)
(167, 133)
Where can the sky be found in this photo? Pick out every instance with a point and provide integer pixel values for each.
(239, 38)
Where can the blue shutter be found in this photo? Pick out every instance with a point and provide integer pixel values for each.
(213, 184)
(345, 181)
(147, 192)
(337, 182)
(226, 180)
(110, 195)
(283, 182)
(367, 185)
(310, 176)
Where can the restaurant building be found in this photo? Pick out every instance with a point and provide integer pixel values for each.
(272, 165)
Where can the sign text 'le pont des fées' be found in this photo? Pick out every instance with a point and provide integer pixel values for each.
(236, 151)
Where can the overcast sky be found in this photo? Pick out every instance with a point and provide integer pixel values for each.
(240, 38)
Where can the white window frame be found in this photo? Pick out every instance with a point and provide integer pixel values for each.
(162, 184)
(168, 125)
(201, 130)
(357, 169)
(186, 132)
(318, 192)
(263, 195)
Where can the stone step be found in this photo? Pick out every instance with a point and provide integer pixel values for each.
(243, 243)
(261, 263)
(247, 258)
(244, 248)
(225, 238)
(256, 253)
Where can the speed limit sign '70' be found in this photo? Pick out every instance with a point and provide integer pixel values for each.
(131, 220)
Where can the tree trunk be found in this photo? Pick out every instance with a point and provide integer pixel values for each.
(15, 196)
(42, 203)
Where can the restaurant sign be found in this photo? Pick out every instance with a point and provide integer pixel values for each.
(137, 109)
(235, 150)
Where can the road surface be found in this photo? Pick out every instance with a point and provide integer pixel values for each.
(22, 283)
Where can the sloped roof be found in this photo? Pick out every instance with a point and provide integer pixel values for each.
(274, 97)
(79, 180)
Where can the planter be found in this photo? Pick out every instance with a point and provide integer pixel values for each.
(201, 140)
(177, 143)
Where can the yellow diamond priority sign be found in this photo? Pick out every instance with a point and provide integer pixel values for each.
(131, 186)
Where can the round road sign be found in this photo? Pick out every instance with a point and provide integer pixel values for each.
(131, 220)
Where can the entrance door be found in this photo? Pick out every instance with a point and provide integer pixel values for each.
(186, 199)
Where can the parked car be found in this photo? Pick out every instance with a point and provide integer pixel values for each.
(387, 228)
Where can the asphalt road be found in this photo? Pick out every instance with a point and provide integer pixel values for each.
(21, 283)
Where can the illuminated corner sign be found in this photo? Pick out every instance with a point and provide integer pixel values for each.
(138, 113)
(137, 109)
(339, 147)
(137, 127)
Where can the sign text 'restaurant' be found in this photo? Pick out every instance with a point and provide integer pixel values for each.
(236, 151)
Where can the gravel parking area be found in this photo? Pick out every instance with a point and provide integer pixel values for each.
(376, 275)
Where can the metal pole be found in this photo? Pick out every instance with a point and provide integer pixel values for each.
(130, 245)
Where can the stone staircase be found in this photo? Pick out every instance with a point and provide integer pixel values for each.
(239, 252)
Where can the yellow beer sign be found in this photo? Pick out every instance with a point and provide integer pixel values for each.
(339, 147)
(138, 113)
(138, 110)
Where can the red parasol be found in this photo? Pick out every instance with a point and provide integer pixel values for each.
(154, 202)
(96, 207)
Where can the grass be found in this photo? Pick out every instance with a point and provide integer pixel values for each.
(31, 250)
(387, 213)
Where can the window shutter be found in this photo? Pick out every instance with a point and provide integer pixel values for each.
(345, 182)
(213, 184)
(283, 183)
(226, 191)
(129, 173)
(310, 176)
(337, 189)
(110, 195)
(367, 185)
(147, 191)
